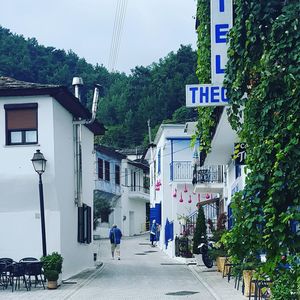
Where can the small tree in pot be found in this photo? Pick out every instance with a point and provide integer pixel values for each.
(200, 231)
(52, 264)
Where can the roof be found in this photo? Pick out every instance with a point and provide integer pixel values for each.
(109, 151)
(13, 87)
(139, 150)
(142, 164)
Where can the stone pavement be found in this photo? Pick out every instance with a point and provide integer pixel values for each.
(142, 273)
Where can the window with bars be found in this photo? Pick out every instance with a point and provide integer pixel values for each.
(84, 224)
(117, 174)
(100, 168)
(21, 123)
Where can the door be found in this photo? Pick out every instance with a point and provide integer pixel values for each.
(131, 223)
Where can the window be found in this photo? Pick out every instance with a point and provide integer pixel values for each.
(126, 177)
(117, 174)
(158, 161)
(100, 168)
(107, 171)
(21, 123)
(84, 224)
(238, 171)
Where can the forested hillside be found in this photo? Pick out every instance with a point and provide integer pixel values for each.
(155, 92)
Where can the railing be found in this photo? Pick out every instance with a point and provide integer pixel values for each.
(208, 174)
(141, 189)
(182, 247)
(181, 170)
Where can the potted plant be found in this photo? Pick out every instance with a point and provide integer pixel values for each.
(52, 265)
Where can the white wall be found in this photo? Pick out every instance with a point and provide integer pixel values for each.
(20, 207)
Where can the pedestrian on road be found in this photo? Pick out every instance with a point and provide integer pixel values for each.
(153, 232)
(115, 236)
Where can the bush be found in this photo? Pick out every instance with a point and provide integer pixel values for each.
(200, 231)
(52, 262)
(51, 275)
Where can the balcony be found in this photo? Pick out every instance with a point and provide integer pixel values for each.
(181, 171)
(208, 179)
(139, 192)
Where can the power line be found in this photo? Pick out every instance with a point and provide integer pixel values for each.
(117, 33)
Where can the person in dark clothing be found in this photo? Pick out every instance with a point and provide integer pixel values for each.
(115, 236)
(153, 232)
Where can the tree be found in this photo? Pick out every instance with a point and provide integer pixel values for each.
(102, 208)
(200, 231)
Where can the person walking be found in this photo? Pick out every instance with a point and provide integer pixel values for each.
(153, 232)
(115, 236)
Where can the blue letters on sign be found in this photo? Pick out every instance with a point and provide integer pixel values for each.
(204, 94)
(207, 94)
(221, 5)
(193, 90)
(219, 70)
(221, 34)
(214, 94)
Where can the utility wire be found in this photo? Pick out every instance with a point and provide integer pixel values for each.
(117, 33)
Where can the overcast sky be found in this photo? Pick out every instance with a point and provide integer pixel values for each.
(152, 28)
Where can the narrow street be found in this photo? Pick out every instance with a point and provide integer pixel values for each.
(142, 273)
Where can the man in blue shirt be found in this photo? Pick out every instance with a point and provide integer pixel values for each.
(115, 236)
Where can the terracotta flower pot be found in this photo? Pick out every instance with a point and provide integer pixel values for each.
(247, 276)
(52, 285)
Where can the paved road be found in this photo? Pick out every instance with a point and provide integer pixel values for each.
(142, 273)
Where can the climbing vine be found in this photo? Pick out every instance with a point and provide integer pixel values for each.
(205, 120)
(262, 81)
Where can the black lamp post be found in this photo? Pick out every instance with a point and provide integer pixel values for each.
(39, 164)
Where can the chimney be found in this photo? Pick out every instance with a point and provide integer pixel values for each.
(77, 82)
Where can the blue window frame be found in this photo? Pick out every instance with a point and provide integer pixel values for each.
(159, 161)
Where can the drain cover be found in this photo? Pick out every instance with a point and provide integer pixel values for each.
(149, 251)
(144, 244)
(181, 293)
(172, 264)
(140, 253)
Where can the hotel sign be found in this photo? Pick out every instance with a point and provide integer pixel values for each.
(214, 94)
(221, 23)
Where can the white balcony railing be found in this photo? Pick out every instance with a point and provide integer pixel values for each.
(181, 171)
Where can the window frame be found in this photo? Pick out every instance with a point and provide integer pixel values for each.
(24, 130)
(100, 168)
(84, 233)
(107, 170)
(117, 175)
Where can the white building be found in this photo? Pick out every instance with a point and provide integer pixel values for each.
(124, 183)
(222, 153)
(37, 116)
(171, 190)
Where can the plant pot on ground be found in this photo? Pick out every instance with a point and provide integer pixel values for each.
(52, 276)
(52, 265)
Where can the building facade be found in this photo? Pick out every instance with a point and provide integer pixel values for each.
(35, 116)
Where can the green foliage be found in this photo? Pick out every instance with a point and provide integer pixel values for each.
(217, 234)
(102, 208)
(205, 114)
(200, 231)
(51, 275)
(155, 92)
(262, 80)
(52, 262)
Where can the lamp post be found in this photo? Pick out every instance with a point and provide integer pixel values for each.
(39, 164)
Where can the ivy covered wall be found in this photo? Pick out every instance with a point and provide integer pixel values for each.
(263, 83)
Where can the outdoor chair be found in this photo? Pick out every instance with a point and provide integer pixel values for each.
(34, 269)
(28, 259)
(16, 272)
(6, 260)
(3, 275)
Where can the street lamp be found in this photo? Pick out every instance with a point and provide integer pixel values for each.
(39, 164)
